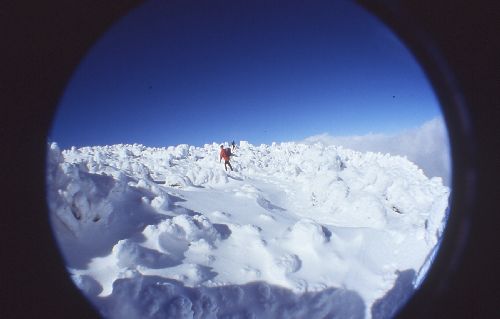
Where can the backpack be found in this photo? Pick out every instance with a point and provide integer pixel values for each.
(228, 151)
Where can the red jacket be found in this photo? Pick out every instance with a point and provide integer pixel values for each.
(223, 155)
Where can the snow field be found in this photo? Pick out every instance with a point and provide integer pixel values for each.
(300, 219)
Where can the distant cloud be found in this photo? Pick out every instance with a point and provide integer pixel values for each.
(427, 146)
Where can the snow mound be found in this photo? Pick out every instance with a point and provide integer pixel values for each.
(296, 230)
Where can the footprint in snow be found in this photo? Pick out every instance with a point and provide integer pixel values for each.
(267, 205)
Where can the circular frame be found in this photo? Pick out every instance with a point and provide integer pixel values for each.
(455, 42)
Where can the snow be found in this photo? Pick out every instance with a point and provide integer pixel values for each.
(427, 146)
(295, 230)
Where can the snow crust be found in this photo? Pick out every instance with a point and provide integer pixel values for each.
(296, 230)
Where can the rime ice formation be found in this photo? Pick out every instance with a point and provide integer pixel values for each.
(295, 230)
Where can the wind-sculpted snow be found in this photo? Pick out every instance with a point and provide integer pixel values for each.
(312, 225)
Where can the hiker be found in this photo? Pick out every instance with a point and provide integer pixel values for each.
(233, 145)
(224, 154)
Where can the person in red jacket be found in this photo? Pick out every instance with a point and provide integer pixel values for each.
(224, 155)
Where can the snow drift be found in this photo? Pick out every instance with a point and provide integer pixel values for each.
(427, 146)
(296, 230)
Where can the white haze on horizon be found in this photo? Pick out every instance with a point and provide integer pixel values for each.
(427, 146)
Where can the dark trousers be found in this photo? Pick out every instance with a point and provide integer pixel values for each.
(227, 163)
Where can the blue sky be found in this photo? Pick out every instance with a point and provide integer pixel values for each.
(174, 72)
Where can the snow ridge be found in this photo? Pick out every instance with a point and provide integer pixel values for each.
(292, 220)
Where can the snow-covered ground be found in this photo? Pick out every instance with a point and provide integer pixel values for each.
(295, 230)
(427, 146)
